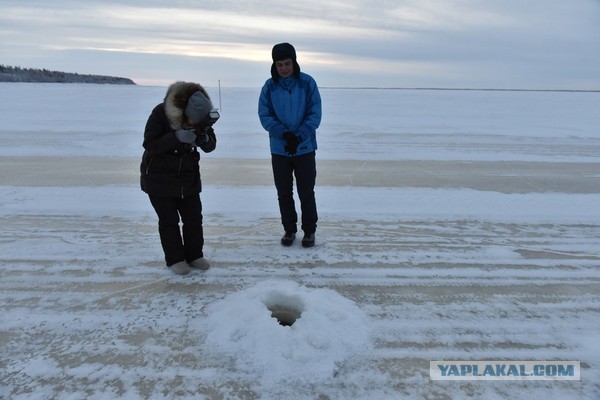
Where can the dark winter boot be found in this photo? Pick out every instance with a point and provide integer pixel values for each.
(288, 239)
(308, 240)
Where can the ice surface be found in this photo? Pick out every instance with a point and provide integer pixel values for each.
(454, 225)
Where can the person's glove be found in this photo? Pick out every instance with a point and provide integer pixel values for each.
(186, 136)
(203, 135)
(292, 143)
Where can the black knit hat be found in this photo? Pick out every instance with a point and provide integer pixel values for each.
(283, 51)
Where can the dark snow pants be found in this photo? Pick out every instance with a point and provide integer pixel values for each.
(304, 169)
(168, 210)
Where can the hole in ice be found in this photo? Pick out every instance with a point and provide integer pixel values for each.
(286, 309)
(284, 315)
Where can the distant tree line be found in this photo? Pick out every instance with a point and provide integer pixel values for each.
(18, 74)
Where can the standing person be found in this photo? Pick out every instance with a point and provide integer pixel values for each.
(289, 108)
(170, 173)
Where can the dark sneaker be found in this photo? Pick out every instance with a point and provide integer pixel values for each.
(308, 240)
(288, 239)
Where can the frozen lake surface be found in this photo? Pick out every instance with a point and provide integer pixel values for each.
(454, 225)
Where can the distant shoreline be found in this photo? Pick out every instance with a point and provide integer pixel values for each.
(33, 75)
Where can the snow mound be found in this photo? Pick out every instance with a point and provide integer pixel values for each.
(284, 331)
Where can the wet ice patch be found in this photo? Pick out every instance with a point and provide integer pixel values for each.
(282, 330)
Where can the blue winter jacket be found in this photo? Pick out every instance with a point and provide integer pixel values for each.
(291, 104)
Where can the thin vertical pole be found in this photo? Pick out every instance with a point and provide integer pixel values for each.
(220, 106)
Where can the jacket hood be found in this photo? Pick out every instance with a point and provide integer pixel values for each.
(176, 100)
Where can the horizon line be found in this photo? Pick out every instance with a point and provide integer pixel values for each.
(465, 89)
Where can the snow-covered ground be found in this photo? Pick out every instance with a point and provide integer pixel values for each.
(454, 225)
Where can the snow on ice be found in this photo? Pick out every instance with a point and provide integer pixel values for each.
(454, 225)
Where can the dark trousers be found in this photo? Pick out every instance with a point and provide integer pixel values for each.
(305, 170)
(168, 210)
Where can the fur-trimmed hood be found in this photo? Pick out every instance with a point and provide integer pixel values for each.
(176, 100)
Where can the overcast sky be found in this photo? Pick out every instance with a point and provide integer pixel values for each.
(523, 44)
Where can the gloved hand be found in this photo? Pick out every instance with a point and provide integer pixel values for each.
(292, 143)
(203, 134)
(186, 136)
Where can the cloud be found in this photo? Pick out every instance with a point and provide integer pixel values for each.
(499, 44)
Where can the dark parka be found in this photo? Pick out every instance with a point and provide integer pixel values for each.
(170, 168)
